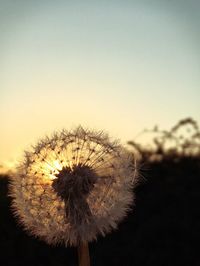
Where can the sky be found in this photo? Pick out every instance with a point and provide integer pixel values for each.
(120, 66)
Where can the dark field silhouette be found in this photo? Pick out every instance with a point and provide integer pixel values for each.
(162, 230)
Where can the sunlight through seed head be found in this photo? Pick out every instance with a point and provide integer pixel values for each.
(73, 186)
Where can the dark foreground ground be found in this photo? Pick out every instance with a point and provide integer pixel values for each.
(162, 230)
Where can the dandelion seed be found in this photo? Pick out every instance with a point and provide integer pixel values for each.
(73, 186)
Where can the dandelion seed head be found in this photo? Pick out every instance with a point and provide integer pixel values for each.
(73, 186)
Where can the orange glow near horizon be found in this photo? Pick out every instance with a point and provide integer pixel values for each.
(117, 67)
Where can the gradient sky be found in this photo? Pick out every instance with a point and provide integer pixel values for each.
(121, 66)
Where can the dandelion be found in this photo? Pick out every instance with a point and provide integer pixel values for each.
(73, 186)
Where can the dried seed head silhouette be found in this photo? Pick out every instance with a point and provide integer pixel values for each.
(73, 186)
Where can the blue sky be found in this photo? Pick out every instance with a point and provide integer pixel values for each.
(121, 66)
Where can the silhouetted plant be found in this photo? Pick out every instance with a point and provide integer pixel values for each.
(73, 186)
(181, 140)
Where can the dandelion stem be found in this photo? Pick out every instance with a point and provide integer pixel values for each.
(83, 254)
